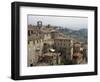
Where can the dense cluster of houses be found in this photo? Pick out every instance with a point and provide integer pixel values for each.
(47, 46)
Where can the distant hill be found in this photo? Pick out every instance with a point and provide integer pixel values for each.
(80, 35)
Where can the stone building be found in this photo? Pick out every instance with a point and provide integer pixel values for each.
(35, 45)
(37, 37)
(50, 58)
(42, 40)
(79, 53)
(64, 46)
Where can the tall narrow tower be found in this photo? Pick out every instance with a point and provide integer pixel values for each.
(39, 24)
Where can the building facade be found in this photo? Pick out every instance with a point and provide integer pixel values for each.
(47, 46)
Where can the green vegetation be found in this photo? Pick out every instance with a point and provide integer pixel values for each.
(80, 35)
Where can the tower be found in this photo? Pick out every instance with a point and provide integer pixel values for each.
(39, 24)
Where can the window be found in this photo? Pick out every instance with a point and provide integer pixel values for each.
(33, 42)
(28, 33)
(28, 42)
(31, 32)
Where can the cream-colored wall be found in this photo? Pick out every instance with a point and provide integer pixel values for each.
(32, 53)
(47, 36)
(61, 43)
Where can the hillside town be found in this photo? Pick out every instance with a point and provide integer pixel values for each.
(47, 46)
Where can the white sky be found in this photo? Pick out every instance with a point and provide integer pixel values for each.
(74, 23)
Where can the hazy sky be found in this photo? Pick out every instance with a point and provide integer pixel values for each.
(75, 23)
